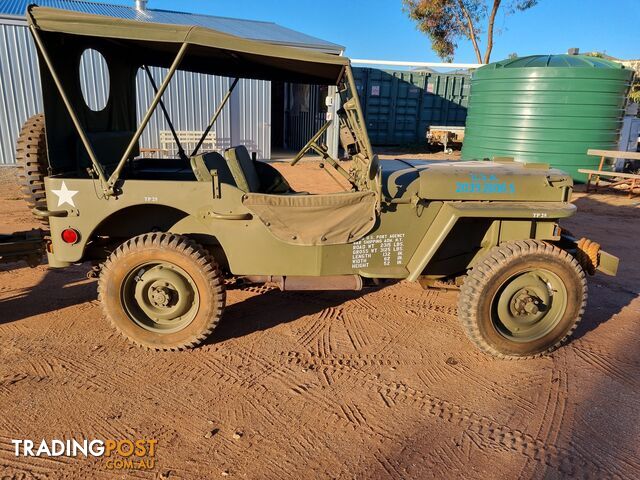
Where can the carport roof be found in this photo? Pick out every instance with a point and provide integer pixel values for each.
(251, 29)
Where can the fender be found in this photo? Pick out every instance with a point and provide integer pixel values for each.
(451, 212)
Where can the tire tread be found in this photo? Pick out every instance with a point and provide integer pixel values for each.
(481, 273)
(181, 244)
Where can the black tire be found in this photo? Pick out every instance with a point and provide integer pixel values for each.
(487, 311)
(32, 162)
(195, 289)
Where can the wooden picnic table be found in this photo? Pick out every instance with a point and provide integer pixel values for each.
(618, 178)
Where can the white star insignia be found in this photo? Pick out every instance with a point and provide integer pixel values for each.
(65, 195)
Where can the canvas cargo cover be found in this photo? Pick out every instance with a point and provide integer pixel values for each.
(332, 219)
(210, 51)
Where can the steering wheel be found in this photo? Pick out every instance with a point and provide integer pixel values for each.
(310, 143)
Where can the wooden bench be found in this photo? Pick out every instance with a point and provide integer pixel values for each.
(188, 139)
(632, 180)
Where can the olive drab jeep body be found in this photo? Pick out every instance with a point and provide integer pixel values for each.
(166, 233)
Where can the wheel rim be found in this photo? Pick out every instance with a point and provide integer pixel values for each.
(160, 297)
(529, 305)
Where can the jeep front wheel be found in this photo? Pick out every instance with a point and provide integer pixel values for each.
(524, 299)
(162, 291)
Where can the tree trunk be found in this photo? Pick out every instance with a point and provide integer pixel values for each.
(492, 19)
(471, 29)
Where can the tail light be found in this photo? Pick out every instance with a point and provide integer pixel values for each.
(70, 236)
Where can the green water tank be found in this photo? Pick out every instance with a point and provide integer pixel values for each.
(546, 108)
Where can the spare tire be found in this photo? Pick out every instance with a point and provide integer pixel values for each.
(32, 163)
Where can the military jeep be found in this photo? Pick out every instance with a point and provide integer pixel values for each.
(166, 234)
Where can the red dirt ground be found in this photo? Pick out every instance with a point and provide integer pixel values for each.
(381, 384)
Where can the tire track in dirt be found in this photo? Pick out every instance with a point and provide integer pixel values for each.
(555, 392)
(555, 407)
(14, 332)
(367, 302)
(9, 423)
(184, 407)
(315, 394)
(615, 457)
(339, 336)
(444, 316)
(433, 375)
(495, 389)
(309, 332)
(283, 458)
(360, 416)
(41, 367)
(391, 468)
(57, 370)
(446, 459)
(355, 360)
(411, 295)
(328, 316)
(7, 383)
(223, 373)
(369, 329)
(15, 471)
(492, 432)
(266, 368)
(353, 327)
(606, 365)
(96, 425)
(385, 348)
(81, 376)
(488, 429)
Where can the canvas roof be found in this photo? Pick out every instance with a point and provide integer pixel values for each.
(210, 51)
(264, 31)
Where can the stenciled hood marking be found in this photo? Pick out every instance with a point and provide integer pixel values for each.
(479, 183)
(486, 180)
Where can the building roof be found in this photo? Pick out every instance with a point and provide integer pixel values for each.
(252, 29)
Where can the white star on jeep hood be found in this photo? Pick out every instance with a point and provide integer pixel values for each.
(65, 195)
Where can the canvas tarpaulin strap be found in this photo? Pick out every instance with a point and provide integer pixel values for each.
(332, 219)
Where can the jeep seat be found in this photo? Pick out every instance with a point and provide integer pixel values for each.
(205, 162)
(243, 169)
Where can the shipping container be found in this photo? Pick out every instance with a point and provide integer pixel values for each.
(399, 106)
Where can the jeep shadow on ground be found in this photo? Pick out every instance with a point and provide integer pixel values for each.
(272, 307)
(617, 229)
(58, 289)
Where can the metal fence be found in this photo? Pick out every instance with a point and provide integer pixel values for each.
(303, 114)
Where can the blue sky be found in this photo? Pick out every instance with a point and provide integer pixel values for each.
(379, 29)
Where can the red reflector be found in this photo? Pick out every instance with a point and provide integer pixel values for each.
(70, 236)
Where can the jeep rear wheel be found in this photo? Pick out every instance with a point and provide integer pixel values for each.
(32, 163)
(162, 291)
(524, 299)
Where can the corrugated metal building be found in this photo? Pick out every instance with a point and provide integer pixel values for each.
(191, 98)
